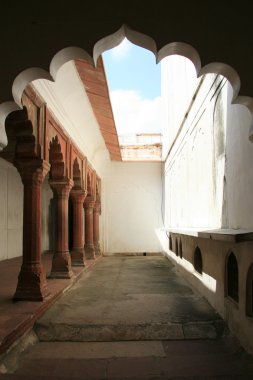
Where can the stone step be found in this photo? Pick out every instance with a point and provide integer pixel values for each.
(209, 359)
(214, 329)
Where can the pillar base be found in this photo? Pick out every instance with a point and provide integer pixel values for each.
(32, 284)
(78, 257)
(97, 250)
(61, 265)
(89, 251)
(64, 275)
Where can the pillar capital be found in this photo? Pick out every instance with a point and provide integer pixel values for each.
(89, 203)
(62, 187)
(78, 195)
(97, 207)
(32, 171)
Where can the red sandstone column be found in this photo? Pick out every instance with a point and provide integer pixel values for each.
(96, 213)
(89, 245)
(61, 264)
(77, 252)
(32, 284)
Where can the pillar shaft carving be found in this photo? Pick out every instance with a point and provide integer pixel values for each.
(32, 280)
(89, 243)
(61, 264)
(77, 252)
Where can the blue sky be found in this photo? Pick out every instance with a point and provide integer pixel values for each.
(130, 67)
(134, 83)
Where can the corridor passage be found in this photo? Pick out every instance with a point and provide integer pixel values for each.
(133, 318)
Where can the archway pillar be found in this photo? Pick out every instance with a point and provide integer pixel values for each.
(89, 242)
(32, 284)
(96, 214)
(77, 252)
(61, 263)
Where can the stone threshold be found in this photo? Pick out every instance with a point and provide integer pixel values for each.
(121, 254)
(150, 331)
(222, 234)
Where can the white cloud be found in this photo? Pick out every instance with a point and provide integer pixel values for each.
(134, 114)
(122, 50)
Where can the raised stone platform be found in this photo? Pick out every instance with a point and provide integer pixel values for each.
(221, 234)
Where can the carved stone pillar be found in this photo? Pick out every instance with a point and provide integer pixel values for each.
(77, 252)
(32, 284)
(61, 264)
(89, 245)
(96, 213)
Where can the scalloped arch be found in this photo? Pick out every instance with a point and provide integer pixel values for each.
(116, 38)
(108, 42)
(65, 55)
(24, 78)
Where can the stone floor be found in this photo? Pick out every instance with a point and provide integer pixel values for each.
(16, 318)
(132, 318)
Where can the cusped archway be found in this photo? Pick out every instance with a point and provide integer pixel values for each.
(143, 39)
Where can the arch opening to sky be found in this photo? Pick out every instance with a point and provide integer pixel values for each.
(136, 88)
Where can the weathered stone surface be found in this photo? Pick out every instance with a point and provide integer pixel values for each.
(105, 333)
(129, 298)
(96, 350)
(139, 298)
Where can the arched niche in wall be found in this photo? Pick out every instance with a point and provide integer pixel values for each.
(89, 185)
(232, 277)
(180, 249)
(197, 260)
(77, 174)
(249, 292)
(58, 169)
(176, 247)
(170, 243)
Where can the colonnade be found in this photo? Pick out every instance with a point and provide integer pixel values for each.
(38, 145)
(32, 283)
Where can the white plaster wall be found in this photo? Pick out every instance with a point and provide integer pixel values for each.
(178, 84)
(194, 169)
(239, 173)
(69, 103)
(132, 207)
(11, 211)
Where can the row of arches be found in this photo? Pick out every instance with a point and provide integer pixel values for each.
(41, 149)
(231, 273)
(177, 247)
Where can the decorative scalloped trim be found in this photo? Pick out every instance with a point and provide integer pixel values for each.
(109, 42)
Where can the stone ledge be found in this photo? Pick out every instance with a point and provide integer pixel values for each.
(120, 254)
(222, 234)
